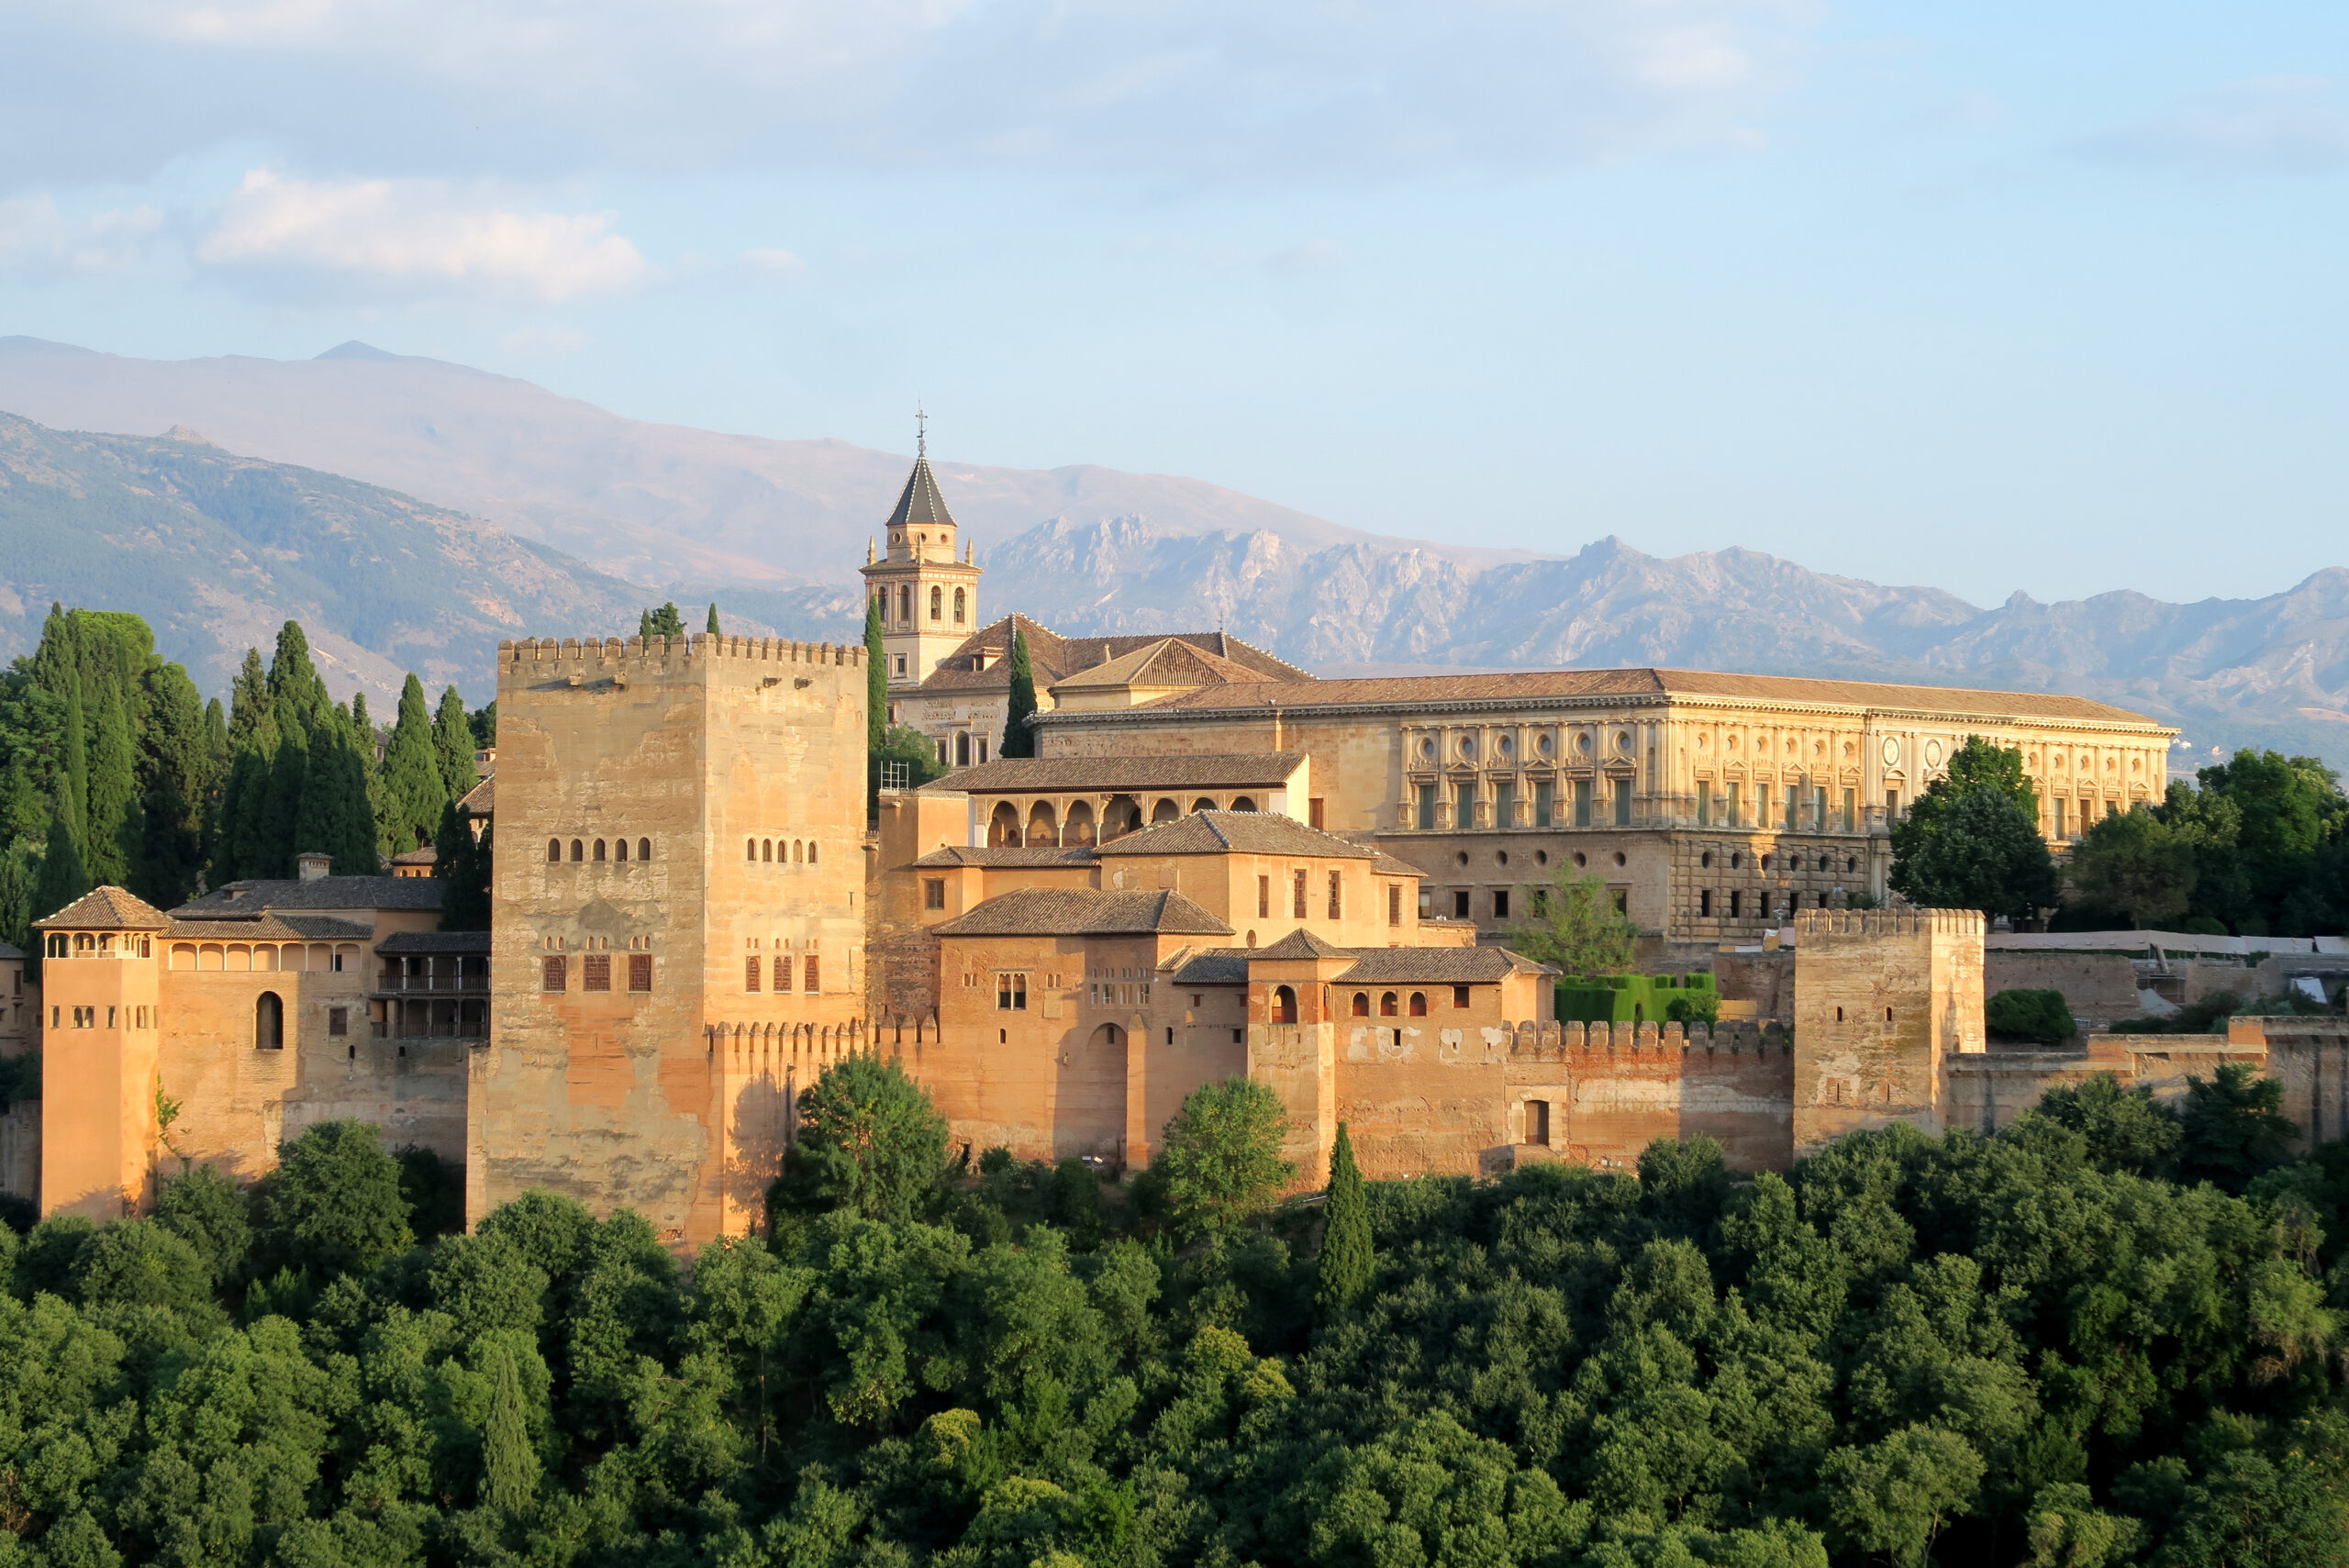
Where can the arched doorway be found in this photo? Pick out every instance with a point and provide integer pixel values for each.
(269, 1022)
(1044, 827)
(1284, 1004)
(1078, 830)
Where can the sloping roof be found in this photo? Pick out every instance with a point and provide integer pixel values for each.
(1386, 864)
(1215, 966)
(1236, 832)
(107, 908)
(972, 855)
(481, 799)
(1538, 686)
(8, 951)
(1301, 944)
(1083, 911)
(1437, 966)
(1169, 661)
(321, 892)
(920, 505)
(427, 943)
(1054, 658)
(422, 855)
(261, 926)
(1176, 771)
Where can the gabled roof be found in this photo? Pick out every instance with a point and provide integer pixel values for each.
(1302, 944)
(481, 799)
(1175, 770)
(107, 908)
(433, 943)
(320, 893)
(422, 855)
(8, 951)
(973, 855)
(1084, 912)
(1054, 658)
(1236, 832)
(263, 925)
(921, 504)
(1437, 966)
(1169, 661)
(1387, 865)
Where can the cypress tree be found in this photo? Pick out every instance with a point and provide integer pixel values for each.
(114, 828)
(415, 794)
(19, 880)
(464, 868)
(644, 625)
(62, 876)
(1018, 741)
(176, 780)
(876, 679)
(510, 1480)
(74, 756)
(452, 745)
(712, 627)
(1344, 1274)
(337, 815)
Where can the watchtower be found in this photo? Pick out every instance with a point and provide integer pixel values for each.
(1883, 997)
(928, 599)
(676, 938)
(101, 1054)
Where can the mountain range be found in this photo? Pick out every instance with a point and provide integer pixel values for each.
(585, 506)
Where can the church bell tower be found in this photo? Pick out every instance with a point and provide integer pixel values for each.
(929, 597)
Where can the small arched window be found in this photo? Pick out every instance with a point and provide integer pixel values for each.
(269, 1022)
(938, 603)
(1888, 1014)
(766, 848)
(599, 848)
(1243, 804)
(1361, 1005)
(958, 607)
(644, 849)
(84, 942)
(811, 851)
(619, 848)
(1419, 1003)
(57, 944)
(750, 849)
(1388, 1004)
(554, 850)
(578, 851)
(799, 853)
(1284, 1004)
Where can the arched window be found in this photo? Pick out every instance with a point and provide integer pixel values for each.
(1164, 811)
(619, 848)
(1202, 804)
(57, 944)
(1003, 825)
(269, 1022)
(554, 850)
(1284, 1004)
(1361, 1005)
(766, 848)
(905, 604)
(958, 607)
(599, 848)
(1387, 1005)
(811, 851)
(1109, 1035)
(1243, 804)
(750, 849)
(938, 603)
(578, 851)
(963, 749)
(644, 849)
(1044, 827)
(1419, 1003)
(1078, 830)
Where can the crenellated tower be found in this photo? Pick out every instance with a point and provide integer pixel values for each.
(928, 594)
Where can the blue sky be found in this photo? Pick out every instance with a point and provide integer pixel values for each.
(1996, 298)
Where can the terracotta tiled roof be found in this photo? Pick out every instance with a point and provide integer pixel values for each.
(972, 855)
(1236, 832)
(1301, 944)
(1437, 966)
(1176, 771)
(263, 926)
(1387, 865)
(422, 855)
(1540, 685)
(423, 943)
(322, 893)
(1084, 912)
(107, 908)
(481, 799)
(1169, 661)
(1054, 658)
(1216, 966)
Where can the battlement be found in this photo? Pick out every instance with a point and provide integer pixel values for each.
(1827, 925)
(1564, 1042)
(606, 655)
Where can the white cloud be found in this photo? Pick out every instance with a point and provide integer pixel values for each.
(34, 237)
(423, 233)
(775, 262)
(2285, 125)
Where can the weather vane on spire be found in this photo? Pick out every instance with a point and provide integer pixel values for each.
(922, 431)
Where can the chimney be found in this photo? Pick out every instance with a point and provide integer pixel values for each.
(313, 865)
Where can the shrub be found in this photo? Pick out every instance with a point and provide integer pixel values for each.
(2030, 1014)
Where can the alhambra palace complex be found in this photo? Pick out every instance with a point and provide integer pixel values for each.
(1215, 865)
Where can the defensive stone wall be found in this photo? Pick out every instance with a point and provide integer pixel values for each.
(1883, 999)
(2099, 988)
(1609, 1090)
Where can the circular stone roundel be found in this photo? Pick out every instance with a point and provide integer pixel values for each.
(1932, 753)
(1891, 751)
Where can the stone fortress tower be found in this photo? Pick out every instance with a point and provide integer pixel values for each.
(1883, 999)
(929, 600)
(99, 1109)
(678, 938)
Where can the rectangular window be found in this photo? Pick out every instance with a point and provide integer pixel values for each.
(1313, 811)
(1736, 900)
(1623, 896)
(1545, 802)
(1425, 814)
(1704, 803)
(595, 971)
(1459, 997)
(1464, 804)
(781, 973)
(934, 892)
(752, 972)
(109, 1018)
(1394, 903)
(1705, 904)
(1851, 811)
(1505, 805)
(1537, 1121)
(1459, 904)
(1263, 898)
(1010, 993)
(2059, 816)
(901, 664)
(810, 980)
(1296, 894)
(1761, 906)
(1500, 903)
(1819, 809)
(639, 971)
(1729, 813)
(941, 751)
(1891, 803)
(338, 1021)
(550, 974)
(1337, 908)
(1622, 803)
(983, 748)
(1582, 803)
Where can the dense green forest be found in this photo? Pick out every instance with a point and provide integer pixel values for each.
(113, 769)
(2110, 1334)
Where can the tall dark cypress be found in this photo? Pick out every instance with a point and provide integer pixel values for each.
(877, 678)
(1344, 1274)
(1018, 741)
(712, 627)
(453, 744)
(175, 776)
(116, 829)
(64, 878)
(248, 841)
(413, 792)
(464, 868)
(74, 755)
